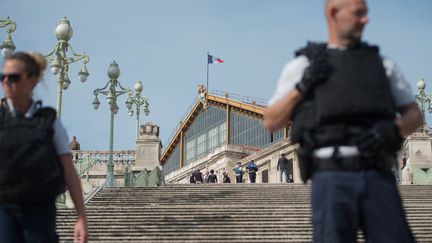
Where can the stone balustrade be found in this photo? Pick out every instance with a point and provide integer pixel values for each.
(119, 156)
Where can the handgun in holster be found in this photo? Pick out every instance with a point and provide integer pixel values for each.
(305, 155)
(305, 163)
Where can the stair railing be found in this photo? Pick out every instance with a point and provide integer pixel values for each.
(88, 166)
(93, 192)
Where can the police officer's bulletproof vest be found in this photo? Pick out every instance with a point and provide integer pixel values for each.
(29, 166)
(357, 93)
(357, 88)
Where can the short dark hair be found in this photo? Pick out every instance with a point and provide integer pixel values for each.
(212, 171)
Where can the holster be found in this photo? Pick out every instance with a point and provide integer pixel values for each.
(305, 163)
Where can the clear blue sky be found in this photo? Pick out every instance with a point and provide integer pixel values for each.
(164, 43)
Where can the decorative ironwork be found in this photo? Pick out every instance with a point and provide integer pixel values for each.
(59, 62)
(112, 90)
(7, 47)
(139, 102)
(425, 102)
(145, 178)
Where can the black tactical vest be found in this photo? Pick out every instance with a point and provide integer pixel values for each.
(29, 166)
(356, 94)
(357, 88)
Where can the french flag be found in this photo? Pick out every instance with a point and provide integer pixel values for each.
(212, 59)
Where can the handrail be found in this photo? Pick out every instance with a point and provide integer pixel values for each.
(87, 169)
(241, 98)
(93, 193)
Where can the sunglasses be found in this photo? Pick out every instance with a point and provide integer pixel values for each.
(12, 78)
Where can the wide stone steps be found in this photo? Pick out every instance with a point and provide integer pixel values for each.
(218, 213)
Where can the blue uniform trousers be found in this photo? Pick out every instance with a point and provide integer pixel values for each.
(252, 177)
(28, 223)
(344, 201)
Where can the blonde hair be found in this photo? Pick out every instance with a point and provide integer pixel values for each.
(40, 61)
(34, 63)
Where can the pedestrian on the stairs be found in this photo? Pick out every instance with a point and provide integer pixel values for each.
(212, 178)
(36, 162)
(192, 178)
(238, 172)
(206, 176)
(350, 109)
(283, 167)
(225, 178)
(198, 177)
(252, 170)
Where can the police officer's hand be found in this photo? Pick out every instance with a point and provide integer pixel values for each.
(382, 136)
(317, 72)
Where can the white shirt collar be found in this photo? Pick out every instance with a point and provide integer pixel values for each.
(31, 111)
(335, 46)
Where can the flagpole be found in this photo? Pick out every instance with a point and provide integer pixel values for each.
(207, 71)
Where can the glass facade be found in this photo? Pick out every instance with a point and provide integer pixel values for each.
(245, 130)
(173, 162)
(208, 131)
(278, 135)
(205, 134)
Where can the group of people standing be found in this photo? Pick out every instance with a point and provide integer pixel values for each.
(198, 177)
(284, 166)
(251, 169)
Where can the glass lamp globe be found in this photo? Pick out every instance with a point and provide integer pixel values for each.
(421, 84)
(138, 86)
(6, 52)
(66, 83)
(63, 30)
(114, 70)
(83, 74)
(96, 103)
(115, 110)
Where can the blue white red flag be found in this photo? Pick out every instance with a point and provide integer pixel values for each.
(212, 59)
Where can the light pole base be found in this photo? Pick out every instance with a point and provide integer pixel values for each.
(110, 181)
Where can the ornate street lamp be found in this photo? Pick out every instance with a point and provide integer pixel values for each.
(139, 102)
(111, 95)
(7, 47)
(59, 62)
(424, 100)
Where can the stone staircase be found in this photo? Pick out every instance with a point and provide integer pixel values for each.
(218, 213)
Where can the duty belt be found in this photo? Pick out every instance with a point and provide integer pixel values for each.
(349, 158)
(339, 151)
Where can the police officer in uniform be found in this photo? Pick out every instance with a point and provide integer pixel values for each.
(35, 159)
(350, 108)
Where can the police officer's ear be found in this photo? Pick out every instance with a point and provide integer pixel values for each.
(331, 9)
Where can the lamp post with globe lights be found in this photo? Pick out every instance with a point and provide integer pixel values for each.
(139, 102)
(111, 93)
(424, 100)
(59, 62)
(7, 47)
